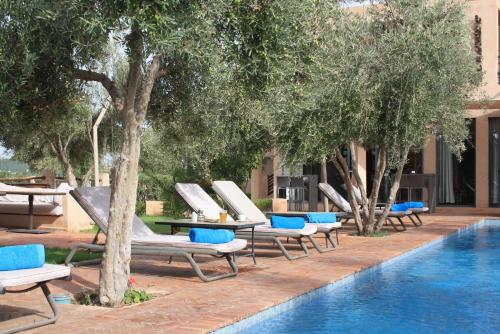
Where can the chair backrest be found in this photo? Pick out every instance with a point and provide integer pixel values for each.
(337, 199)
(198, 199)
(235, 198)
(95, 201)
(357, 193)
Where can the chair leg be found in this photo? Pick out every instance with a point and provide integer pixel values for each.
(53, 319)
(334, 243)
(395, 226)
(72, 253)
(287, 254)
(418, 218)
(413, 221)
(317, 247)
(206, 278)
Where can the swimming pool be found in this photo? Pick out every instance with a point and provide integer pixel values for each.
(450, 286)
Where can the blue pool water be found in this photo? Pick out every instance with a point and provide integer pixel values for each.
(452, 286)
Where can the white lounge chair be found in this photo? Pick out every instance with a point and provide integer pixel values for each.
(96, 201)
(414, 211)
(198, 199)
(343, 205)
(35, 278)
(241, 204)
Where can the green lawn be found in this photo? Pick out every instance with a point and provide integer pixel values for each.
(57, 255)
(149, 221)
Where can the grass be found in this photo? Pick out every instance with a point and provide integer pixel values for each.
(149, 221)
(377, 234)
(55, 255)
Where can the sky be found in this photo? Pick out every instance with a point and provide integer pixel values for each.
(4, 153)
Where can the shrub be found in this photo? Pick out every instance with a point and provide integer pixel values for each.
(264, 204)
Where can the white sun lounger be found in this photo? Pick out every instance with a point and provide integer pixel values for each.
(236, 199)
(241, 204)
(35, 278)
(96, 201)
(198, 199)
(343, 205)
(414, 211)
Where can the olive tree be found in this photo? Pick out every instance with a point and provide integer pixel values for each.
(68, 39)
(386, 80)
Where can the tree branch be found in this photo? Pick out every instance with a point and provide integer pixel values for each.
(105, 81)
(147, 87)
(136, 56)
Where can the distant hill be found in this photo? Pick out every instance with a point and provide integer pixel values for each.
(13, 166)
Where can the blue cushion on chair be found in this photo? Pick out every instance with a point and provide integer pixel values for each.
(22, 257)
(414, 205)
(287, 222)
(321, 217)
(399, 207)
(210, 236)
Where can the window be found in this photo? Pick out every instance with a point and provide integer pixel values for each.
(456, 180)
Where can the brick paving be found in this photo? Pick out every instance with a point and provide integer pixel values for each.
(184, 304)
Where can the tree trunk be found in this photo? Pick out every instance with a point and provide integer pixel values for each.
(60, 152)
(70, 175)
(361, 186)
(393, 192)
(341, 165)
(377, 180)
(324, 179)
(115, 268)
(86, 178)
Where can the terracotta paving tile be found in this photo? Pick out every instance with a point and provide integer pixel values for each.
(184, 304)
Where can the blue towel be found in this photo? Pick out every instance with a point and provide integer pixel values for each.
(210, 236)
(21, 257)
(399, 207)
(321, 217)
(287, 222)
(415, 205)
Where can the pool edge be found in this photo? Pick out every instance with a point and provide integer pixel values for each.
(296, 300)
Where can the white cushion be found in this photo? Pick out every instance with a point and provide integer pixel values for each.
(238, 201)
(48, 272)
(198, 200)
(24, 198)
(322, 228)
(65, 188)
(419, 210)
(182, 241)
(41, 209)
(267, 228)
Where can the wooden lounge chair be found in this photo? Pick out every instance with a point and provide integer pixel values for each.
(35, 278)
(198, 199)
(96, 201)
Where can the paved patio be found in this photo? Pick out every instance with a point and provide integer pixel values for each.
(184, 304)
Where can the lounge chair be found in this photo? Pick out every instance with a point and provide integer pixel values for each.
(414, 211)
(198, 199)
(36, 278)
(343, 205)
(96, 201)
